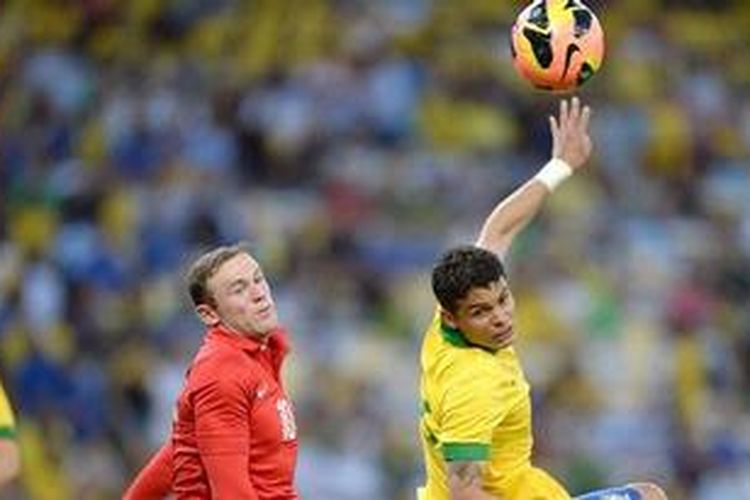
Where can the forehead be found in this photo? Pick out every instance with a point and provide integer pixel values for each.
(484, 294)
(241, 265)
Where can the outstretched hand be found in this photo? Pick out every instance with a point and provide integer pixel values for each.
(570, 133)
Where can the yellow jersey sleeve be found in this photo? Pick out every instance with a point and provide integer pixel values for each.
(7, 423)
(473, 406)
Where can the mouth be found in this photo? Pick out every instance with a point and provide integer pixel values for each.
(265, 311)
(504, 336)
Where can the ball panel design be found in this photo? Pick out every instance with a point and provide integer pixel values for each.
(557, 44)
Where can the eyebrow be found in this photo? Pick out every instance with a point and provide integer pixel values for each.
(475, 305)
(235, 282)
(484, 303)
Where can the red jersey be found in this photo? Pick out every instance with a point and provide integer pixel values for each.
(234, 435)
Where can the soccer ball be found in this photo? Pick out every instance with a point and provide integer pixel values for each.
(557, 44)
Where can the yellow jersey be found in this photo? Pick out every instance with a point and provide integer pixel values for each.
(475, 406)
(7, 423)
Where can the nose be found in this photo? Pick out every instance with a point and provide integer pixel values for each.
(500, 316)
(257, 294)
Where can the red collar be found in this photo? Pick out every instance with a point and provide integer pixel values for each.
(276, 340)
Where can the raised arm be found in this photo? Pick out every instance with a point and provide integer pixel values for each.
(571, 147)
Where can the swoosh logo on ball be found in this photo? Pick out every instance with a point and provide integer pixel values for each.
(540, 44)
(572, 49)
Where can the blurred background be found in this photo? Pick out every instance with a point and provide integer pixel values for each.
(350, 142)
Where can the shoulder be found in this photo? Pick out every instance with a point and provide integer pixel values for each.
(452, 367)
(218, 362)
(472, 366)
(473, 388)
(447, 360)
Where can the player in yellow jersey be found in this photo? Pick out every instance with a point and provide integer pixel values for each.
(10, 461)
(476, 413)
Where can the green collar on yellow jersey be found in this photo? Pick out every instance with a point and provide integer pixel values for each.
(454, 337)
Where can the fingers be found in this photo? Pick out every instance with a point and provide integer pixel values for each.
(574, 115)
(554, 127)
(585, 117)
(570, 136)
(575, 111)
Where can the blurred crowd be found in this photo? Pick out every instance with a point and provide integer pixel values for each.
(350, 142)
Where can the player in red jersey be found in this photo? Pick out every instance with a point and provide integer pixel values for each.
(234, 435)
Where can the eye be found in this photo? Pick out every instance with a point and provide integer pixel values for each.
(258, 278)
(477, 312)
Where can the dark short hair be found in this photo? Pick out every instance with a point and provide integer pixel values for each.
(206, 266)
(461, 269)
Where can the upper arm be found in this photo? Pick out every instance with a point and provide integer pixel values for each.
(222, 411)
(471, 409)
(465, 481)
(510, 216)
(222, 429)
(472, 406)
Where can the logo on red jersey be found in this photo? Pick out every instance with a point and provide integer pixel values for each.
(286, 417)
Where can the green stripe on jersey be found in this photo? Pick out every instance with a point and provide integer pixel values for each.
(425, 407)
(453, 452)
(7, 432)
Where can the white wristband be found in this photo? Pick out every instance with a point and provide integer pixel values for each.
(553, 173)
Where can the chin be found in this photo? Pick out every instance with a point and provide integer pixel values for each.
(502, 344)
(267, 327)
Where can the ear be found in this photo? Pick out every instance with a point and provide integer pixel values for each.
(448, 318)
(208, 315)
